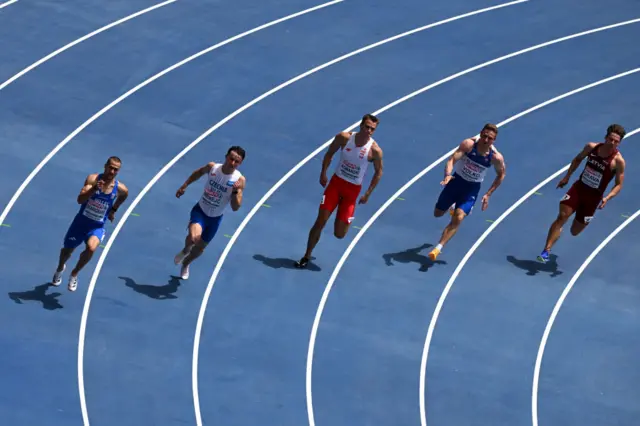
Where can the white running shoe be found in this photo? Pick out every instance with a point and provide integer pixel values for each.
(73, 283)
(180, 256)
(184, 272)
(57, 276)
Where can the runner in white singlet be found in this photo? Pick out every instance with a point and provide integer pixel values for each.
(224, 186)
(357, 151)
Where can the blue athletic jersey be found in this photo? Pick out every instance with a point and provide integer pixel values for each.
(97, 208)
(472, 167)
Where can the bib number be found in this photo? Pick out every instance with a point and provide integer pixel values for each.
(591, 178)
(95, 210)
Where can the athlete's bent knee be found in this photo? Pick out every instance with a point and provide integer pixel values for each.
(577, 228)
(438, 213)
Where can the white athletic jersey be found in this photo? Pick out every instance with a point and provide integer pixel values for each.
(217, 191)
(354, 161)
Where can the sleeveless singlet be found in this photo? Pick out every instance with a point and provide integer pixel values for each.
(597, 172)
(473, 166)
(217, 191)
(96, 208)
(354, 161)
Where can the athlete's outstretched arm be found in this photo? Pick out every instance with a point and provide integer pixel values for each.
(376, 153)
(501, 172)
(337, 143)
(90, 187)
(123, 193)
(464, 147)
(620, 166)
(236, 195)
(197, 174)
(575, 163)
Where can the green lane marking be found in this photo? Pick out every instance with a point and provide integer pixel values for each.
(227, 235)
(538, 193)
(490, 221)
(266, 205)
(624, 215)
(357, 227)
(101, 245)
(135, 214)
(6, 225)
(400, 198)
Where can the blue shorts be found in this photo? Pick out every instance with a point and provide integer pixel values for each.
(81, 230)
(209, 224)
(460, 193)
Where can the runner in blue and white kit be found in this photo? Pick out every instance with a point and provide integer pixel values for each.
(99, 199)
(224, 186)
(472, 160)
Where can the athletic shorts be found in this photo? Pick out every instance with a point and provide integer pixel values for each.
(209, 224)
(81, 230)
(343, 195)
(459, 193)
(583, 201)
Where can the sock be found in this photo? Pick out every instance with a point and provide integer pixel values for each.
(439, 247)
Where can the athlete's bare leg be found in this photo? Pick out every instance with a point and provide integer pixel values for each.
(65, 255)
(314, 236)
(193, 248)
(449, 231)
(86, 255)
(555, 230)
(577, 227)
(340, 229)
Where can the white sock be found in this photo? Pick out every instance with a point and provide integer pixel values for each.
(439, 247)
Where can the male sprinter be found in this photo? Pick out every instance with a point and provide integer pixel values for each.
(461, 189)
(224, 185)
(586, 195)
(99, 199)
(357, 151)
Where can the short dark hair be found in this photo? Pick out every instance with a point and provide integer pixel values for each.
(492, 127)
(370, 117)
(617, 129)
(114, 159)
(238, 150)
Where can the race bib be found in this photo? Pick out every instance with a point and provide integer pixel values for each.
(471, 171)
(591, 177)
(212, 198)
(349, 170)
(95, 209)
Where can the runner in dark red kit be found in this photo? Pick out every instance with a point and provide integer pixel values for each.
(586, 195)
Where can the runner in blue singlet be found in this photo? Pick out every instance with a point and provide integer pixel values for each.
(472, 159)
(99, 199)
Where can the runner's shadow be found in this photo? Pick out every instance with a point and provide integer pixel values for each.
(38, 294)
(413, 255)
(533, 267)
(283, 262)
(159, 292)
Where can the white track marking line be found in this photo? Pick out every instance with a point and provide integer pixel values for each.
(3, 5)
(556, 309)
(443, 158)
(85, 312)
(80, 40)
(273, 189)
(97, 115)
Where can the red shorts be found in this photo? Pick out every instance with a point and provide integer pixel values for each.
(584, 201)
(342, 194)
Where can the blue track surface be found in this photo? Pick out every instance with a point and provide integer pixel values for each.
(254, 343)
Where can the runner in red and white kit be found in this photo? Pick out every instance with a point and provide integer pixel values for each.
(358, 150)
(586, 195)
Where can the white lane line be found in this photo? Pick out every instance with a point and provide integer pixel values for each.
(457, 271)
(87, 304)
(80, 40)
(556, 309)
(443, 158)
(3, 5)
(97, 115)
